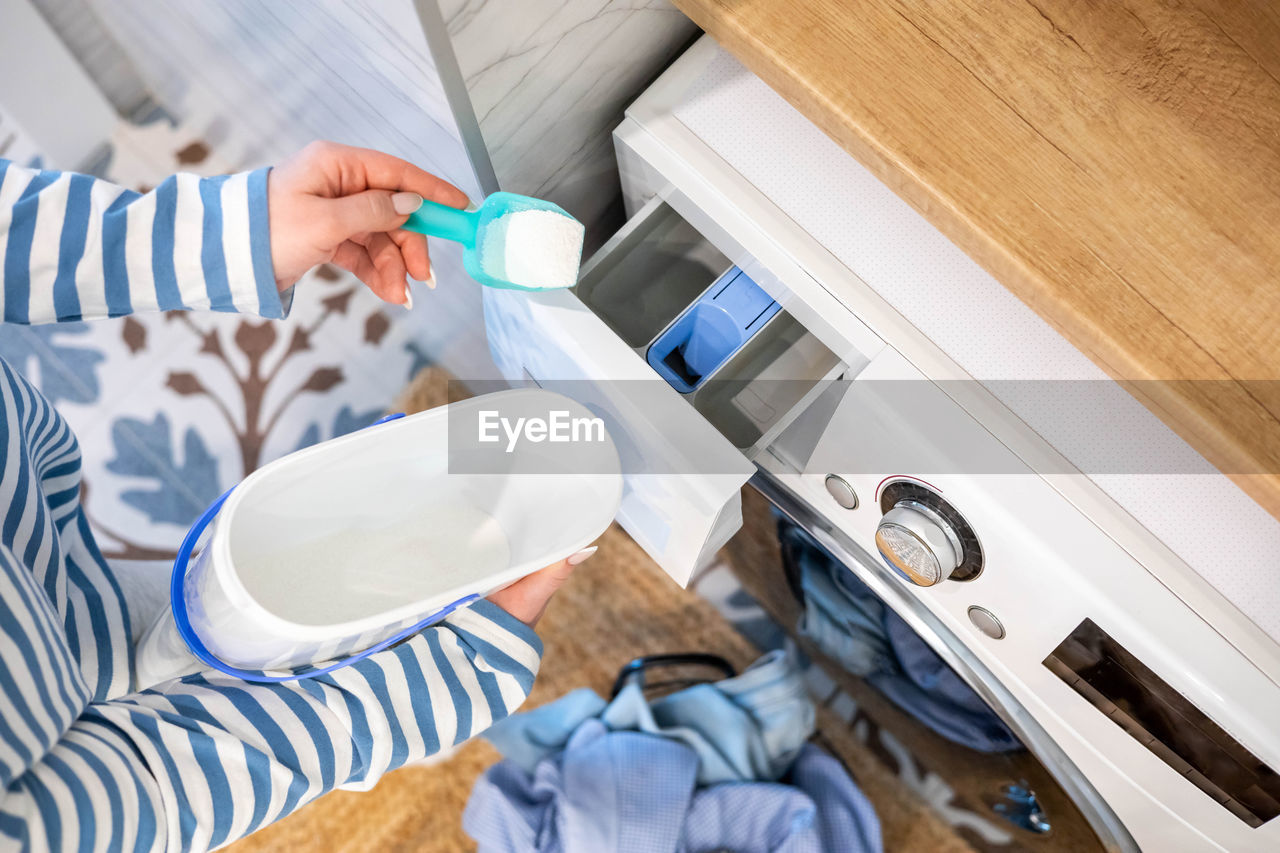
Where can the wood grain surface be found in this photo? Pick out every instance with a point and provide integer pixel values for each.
(1114, 163)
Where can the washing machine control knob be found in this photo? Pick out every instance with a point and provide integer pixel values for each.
(918, 543)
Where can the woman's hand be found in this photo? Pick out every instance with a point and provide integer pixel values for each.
(527, 598)
(332, 203)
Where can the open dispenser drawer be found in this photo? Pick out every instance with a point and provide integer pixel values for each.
(687, 445)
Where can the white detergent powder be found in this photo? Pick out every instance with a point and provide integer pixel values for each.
(362, 571)
(538, 249)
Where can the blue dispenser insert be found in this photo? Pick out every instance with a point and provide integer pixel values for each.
(711, 330)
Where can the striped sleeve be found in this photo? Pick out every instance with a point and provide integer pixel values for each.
(206, 759)
(74, 247)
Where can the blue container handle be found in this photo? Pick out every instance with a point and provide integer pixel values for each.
(182, 619)
(441, 220)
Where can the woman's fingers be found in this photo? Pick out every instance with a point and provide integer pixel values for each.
(354, 258)
(346, 169)
(527, 598)
(381, 273)
(392, 283)
(413, 247)
(335, 202)
(369, 212)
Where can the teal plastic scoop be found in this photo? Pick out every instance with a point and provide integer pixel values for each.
(511, 241)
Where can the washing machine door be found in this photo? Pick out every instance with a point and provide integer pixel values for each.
(889, 690)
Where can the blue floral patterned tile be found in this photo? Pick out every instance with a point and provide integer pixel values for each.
(53, 356)
(181, 485)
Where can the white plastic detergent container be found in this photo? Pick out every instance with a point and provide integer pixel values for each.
(341, 549)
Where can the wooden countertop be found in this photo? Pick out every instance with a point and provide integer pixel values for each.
(1115, 164)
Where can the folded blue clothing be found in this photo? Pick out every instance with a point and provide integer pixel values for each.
(633, 792)
(850, 624)
(748, 728)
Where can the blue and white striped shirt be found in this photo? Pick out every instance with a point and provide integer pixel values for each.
(200, 761)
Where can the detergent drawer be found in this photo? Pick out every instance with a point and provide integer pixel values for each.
(706, 325)
(686, 451)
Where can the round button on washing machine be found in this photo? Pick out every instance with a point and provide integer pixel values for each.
(923, 538)
(986, 622)
(918, 543)
(840, 489)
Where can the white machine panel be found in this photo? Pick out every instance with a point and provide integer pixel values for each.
(1201, 516)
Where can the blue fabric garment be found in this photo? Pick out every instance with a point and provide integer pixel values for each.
(525, 739)
(849, 623)
(846, 818)
(744, 729)
(680, 774)
(632, 792)
(937, 696)
(846, 626)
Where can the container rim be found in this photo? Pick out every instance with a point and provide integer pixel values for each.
(303, 632)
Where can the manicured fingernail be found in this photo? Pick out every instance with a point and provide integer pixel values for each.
(406, 202)
(408, 298)
(581, 556)
(430, 280)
